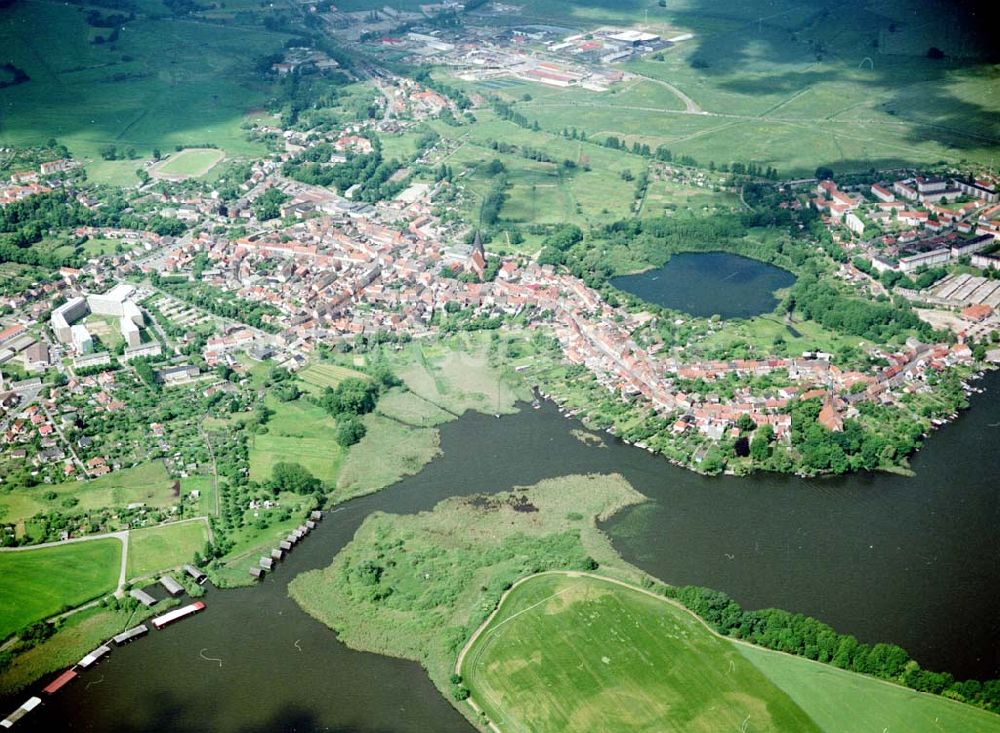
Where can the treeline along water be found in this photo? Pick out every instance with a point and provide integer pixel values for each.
(906, 560)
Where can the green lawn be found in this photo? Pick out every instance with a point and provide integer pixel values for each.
(147, 483)
(35, 584)
(582, 654)
(820, 690)
(192, 162)
(160, 548)
(297, 432)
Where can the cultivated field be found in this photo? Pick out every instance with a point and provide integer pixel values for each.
(582, 654)
(163, 82)
(786, 84)
(320, 375)
(159, 548)
(188, 163)
(35, 584)
(821, 691)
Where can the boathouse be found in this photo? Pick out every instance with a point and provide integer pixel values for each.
(143, 597)
(172, 586)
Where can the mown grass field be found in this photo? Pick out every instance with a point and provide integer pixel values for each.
(163, 82)
(577, 653)
(148, 483)
(582, 654)
(36, 584)
(297, 432)
(189, 163)
(159, 548)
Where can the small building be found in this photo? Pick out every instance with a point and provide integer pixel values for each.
(266, 563)
(172, 586)
(285, 545)
(143, 597)
(277, 554)
(310, 524)
(316, 515)
(130, 635)
(257, 573)
(199, 577)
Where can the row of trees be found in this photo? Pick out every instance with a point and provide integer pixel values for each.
(807, 637)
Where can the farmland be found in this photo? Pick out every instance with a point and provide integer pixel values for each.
(573, 652)
(785, 84)
(163, 83)
(416, 586)
(158, 548)
(582, 654)
(35, 584)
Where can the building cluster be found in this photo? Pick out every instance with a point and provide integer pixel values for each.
(914, 223)
(116, 303)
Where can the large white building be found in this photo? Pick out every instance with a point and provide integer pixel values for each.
(82, 340)
(65, 315)
(111, 303)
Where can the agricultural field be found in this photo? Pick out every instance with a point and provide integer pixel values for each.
(159, 548)
(297, 432)
(162, 83)
(147, 483)
(571, 652)
(784, 84)
(578, 653)
(35, 584)
(320, 375)
(821, 691)
(188, 163)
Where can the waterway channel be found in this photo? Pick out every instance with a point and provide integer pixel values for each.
(909, 560)
(710, 283)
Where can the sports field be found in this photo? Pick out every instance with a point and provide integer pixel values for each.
(579, 653)
(188, 163)
(36, 584)
(159, 548)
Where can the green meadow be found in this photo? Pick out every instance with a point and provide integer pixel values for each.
(159, 548)
(297, 432)
(191, 162)
(36, 584)
(163, 83)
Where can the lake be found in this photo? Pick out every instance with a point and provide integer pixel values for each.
(907, 560)
(710, 283)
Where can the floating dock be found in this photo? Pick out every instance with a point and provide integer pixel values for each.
(92, 658)
(172, 586)
(133, 633)
(57, 684)
(178, 613)
(199, 577)
(31, 704)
